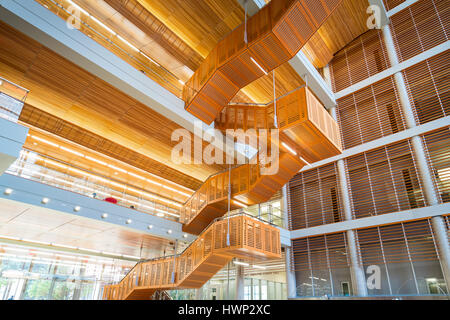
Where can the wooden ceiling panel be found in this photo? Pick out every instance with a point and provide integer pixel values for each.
(286, 80)
(201, 24)
(16, 54)
(61, 88)
(345, 24)
(155, 29)
(50, 123)
(108, 99)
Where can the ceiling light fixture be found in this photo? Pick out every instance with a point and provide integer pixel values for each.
(96, 160)
(45, 200)
(150, 227)
(104, 215)
(301, 158)
(72, 151)
(78, 7)
(150, 58)
(127, 43)
(262, 69)
(239, 203)
(291, 150)
(77, 208)
(8, 191)
(45, 141)
(241, 263)
(102, 25)
(169, 231)
(129, 221)
(259, 267)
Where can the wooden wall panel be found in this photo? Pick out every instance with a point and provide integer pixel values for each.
(363, 57)
(370, 113)
(428, 87)
(420, 27)
(384, 180)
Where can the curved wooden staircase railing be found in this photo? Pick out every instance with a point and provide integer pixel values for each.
(274, 35)
(249, 239)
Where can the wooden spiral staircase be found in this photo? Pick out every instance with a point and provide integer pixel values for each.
(307, 133)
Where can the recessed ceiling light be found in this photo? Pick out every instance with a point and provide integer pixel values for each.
(77, 208)
(169, 231)
(8, 191)
(45, 200)
(104, 215)
(150, 226)
(128, 221)
(185, 235)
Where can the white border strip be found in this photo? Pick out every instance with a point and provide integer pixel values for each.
(382, 219)
(374, 144)
(394, 69)
(401, 7)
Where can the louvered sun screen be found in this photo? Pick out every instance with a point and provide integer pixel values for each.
(406, 253)
(437, 145)
(370, 113)
(319, 262)
(384, 180)
(420, 27)
(363, 57)
(428, 87)
(314, 198)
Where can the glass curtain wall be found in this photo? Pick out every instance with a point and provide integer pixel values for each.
(30, 274)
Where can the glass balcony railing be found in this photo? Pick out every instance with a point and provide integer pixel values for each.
(12, 98)
(33, 166)
(269, 212)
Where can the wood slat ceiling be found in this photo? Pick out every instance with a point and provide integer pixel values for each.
(188, 30)
(37, 118)
(344, 25)
(35, 143)
(201, 24)
(66, 91)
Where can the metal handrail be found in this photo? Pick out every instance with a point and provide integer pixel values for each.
(204, 230)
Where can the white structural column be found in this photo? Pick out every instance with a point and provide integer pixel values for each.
(240, 284)
(291, 282)
(356, 268)
(430, 191)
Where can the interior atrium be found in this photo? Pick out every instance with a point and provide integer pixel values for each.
(224, 149)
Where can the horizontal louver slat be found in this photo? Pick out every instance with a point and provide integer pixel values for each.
(384, 180)
(437, 146)
(363, 57)
(428, 87)
(370, 113)
(314, 198)
(420, 27)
